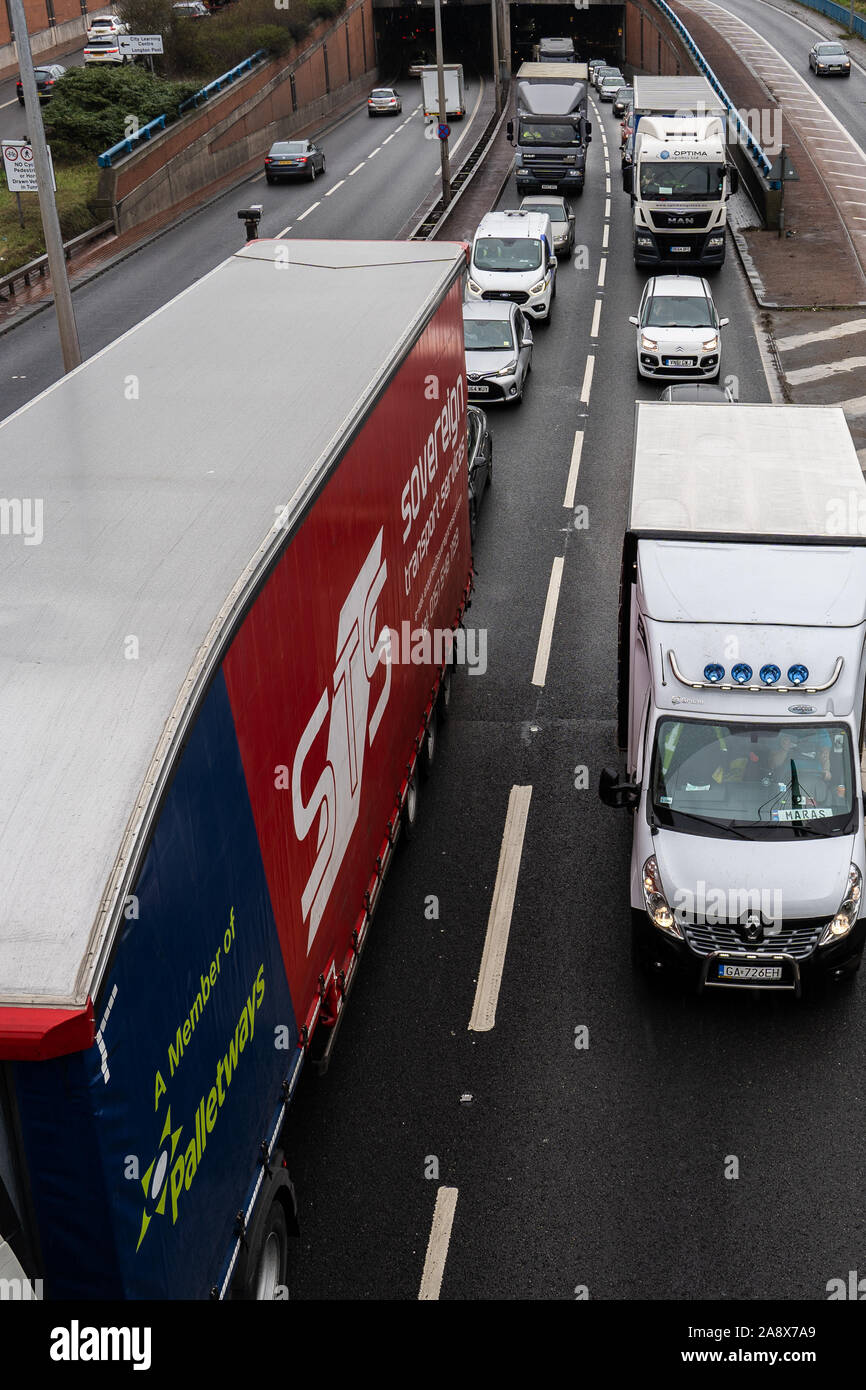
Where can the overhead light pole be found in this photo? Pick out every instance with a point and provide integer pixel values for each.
(443, 108)
(494, 31)
(45, 190)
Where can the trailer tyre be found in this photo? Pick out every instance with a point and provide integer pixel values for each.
(429, 745)
(262, 1269)
(445, 694)
(410, 808)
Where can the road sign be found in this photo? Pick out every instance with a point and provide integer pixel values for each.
(19, 168)
(443, 131)
(139, 43)
(783, 171)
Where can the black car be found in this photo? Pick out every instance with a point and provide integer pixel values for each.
(289, 159)
(480, 453)
(45, 80)
(623, 100)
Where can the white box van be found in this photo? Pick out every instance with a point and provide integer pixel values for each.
(512, 258)
(742, 674)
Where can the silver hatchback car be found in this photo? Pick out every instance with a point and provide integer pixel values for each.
(498, 341)
(561, 220)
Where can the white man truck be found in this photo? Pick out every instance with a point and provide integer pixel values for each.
(552, 132)
(742, 668)
(455, 94)
(675, 166)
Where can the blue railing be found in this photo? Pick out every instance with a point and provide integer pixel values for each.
(745, 136)
(128, 145)
(227, 78)
(840, 13)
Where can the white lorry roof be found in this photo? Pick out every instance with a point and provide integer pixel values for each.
(746, 473)
(553, 72)
(158, 520)
(667, 95)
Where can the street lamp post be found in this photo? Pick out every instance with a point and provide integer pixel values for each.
(495, 36)
(443, 109)
(45, 188)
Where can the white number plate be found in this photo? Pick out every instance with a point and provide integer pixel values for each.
(750, 972)
(478, 390)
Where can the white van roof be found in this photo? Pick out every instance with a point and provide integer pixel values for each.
(515, 224)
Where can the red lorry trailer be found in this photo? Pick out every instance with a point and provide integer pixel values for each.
(209, 739)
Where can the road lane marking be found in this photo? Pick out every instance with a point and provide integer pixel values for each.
(390, 137)
(372, 152)
(587, 379)
(607, 185)
(309, 210)
(596, 319)
(822, 335)
(501, 909)
(857, 406)
(602, 271)
(356, 168)
(283, 232)
(576, 450)
(824, 369)
(605, 236)
(607, 207)
(437, 1245)
(334, 189)
(545, 637)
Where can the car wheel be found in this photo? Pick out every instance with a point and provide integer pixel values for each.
(269, 178)
(518, 399)
(370, 114)
(312, 173)
(549, 315)
(473, 518)
(20, 101)
(324, 164)
(490, 467)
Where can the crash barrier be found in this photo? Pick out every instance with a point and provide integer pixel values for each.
(127, 145)
(840, 14)
(752, 162)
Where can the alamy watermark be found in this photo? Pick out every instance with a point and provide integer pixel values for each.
(22, 516)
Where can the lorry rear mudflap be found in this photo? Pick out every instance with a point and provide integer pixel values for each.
(739, 970)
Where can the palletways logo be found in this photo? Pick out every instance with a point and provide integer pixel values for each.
(181, 1149)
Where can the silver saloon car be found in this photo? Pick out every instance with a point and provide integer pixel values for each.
(561, 220)
(498, 341)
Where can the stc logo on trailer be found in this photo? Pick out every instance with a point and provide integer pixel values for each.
(336, 797)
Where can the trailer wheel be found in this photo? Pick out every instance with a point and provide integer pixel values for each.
(410, 808)
(445, 694)
(262, 1269)
(428, 747)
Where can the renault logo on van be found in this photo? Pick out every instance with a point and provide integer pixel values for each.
(753, 927)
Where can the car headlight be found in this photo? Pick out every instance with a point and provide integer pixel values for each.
(657, 906)
(849, 910)
(711, 343)
(505, 371)
(540, 287)
(476, 289)
(650, 343)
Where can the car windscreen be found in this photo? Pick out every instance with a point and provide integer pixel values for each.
(831, 49)
(753, 780)
(487, 335)
(547, 133)
(662, 179)
(515, 254)
(554, 211)
(678, 311)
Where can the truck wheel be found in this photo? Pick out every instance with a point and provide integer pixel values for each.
(269, 1272)
(429, 745)
(410, 808)
(445, 694)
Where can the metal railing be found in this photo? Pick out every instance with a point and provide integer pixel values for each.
(159, 123)
(39, 267)
(745, 136)
(841, 14)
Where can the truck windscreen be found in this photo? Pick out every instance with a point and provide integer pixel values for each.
(761, 781)
(547, 133)
(663, 179)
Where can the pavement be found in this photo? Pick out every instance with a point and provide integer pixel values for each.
(811, 281)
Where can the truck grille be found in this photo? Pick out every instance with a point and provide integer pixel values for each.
(798, 938)
(687, 221)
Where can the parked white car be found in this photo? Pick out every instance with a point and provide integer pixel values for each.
(678, 330)
(107, 27)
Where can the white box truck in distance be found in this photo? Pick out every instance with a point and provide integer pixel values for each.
(455, 95)
(742, 664)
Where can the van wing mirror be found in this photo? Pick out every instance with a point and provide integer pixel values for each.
(633, 318)
(616, 793)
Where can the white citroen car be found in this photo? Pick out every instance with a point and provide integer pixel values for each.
(678, 330)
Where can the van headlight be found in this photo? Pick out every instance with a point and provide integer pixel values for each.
(540, 287)
(476, 289)
(656, 903)
(849, 910)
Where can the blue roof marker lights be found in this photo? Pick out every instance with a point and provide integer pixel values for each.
(741, 673)
(798, 675)
(714, 673)
(770, 675)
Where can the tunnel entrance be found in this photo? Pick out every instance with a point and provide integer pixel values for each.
(597, 32)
